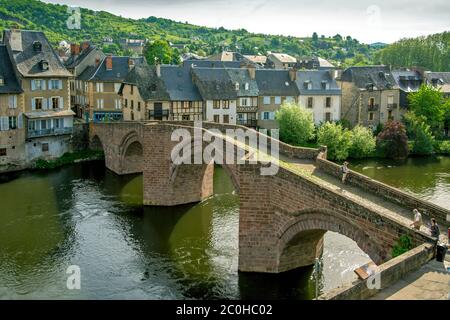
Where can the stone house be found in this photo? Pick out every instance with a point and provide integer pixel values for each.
(12, 131)
(407, 81)
(280, 61)
(275, 86)
(370, 96)
(439, 80)
(320, 93)
(46, 99)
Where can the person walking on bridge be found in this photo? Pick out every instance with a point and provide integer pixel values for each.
(434, 228)
(417, 223)
(344, 171)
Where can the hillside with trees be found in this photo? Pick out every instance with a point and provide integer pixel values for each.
(431, 52)
(96, 26)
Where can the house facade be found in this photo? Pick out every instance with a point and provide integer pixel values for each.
(48, 117)
(370, 96)
(319, 93)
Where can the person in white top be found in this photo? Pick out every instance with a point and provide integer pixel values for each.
(417, 220)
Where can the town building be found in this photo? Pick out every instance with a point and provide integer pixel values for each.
(46, 99)
(370, 96)
(275, 86)
(135, 46)
(314, 63)
(320, 93)
(12, 131)
(259, 60)
(280, 61)
(407, 81)
(439, 80)
(102, 84)
(219, 94)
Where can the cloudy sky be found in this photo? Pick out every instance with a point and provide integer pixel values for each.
(367, 20)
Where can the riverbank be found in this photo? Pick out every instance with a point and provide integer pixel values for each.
(69, 158)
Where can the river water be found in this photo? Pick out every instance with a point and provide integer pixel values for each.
(87, 216)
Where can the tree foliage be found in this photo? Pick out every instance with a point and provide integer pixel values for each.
(363, 142)
(420, 133)
(392, 141)
(337, 139)
(296, 124)
(160, 51)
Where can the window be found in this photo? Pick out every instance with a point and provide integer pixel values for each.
(244, 102)
(277, 100)
(12, 122)
(246, 86)
(43, 124)
(58, 123)
(327, 116)
(37, 103)
(371, 102)
(132, 104)
(226, 118)
(55, 84)
(266, 100)
(328, 102)
(139, 106)
(44, 147)
(117, 87)
(37, 85)
(216, 118)
(2, 152)
(390, 116)
(118, 104)
(4, 123)
(226, 104)
(12, 102)
(371, 116)
(126, 103)
(55, 102)
(310, 102)
(325, 85)
(236, 86)
(100, 103)
(99, 87)
(289, 99)
(2, 81)
(216, 104)
(390, 99)
(266, 115)
(185, 117)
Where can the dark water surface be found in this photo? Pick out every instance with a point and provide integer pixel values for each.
(87, 216)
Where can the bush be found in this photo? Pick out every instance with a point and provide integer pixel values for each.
(296, 124)
(403, 245)
(336, 138)
(68, 158)
(392, 142)
(363, 143)
(443, 147)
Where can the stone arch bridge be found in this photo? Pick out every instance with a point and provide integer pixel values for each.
(283, 217)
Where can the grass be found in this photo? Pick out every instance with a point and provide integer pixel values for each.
(68, 158)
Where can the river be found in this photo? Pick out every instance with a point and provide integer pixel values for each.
(87, 216)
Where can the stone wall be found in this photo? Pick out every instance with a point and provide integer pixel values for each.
(80, 136)
(390, 193)
(389, 272)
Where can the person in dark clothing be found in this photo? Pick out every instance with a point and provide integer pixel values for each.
(434, 228)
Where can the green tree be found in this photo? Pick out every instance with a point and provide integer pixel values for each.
(296, 124)
(336, 138)
(420, 133)
(363, 142)
(160, 51)
(429, 103)
(392, 141)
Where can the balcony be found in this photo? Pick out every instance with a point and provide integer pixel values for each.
(158, 114)
(372, 107)
(391, 106)
(49, 132)
(251, 123)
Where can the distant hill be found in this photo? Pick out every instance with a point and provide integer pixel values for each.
(95, 26)
(431, 52)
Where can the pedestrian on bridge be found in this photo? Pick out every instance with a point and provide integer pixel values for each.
(417, 223)
(434, 228)
(344, 171)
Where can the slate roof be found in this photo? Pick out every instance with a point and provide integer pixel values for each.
(406, 80)
(283, 57)
(380, 76)
(178, 83)
(28, 61)
(212, 63)
(214, 83)
(118, 73)
(442, 76)
(316, 77)
(74, 61)
(256, 58)
(11, 84)
(242, 76)
(275, 82)
(150, 86)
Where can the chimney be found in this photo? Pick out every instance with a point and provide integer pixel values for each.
(85, 45)
(130, 63)
(109, 62)
(293, 74)
(158, 69)
(251, 71)
(74, 49)
(16, 40)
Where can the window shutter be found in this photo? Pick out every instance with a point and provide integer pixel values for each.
(43, 84)
(50, 87)
(33, 85)
(45, 103)
(20, 121)
(61, 102)
(33, 104)
(60, 84)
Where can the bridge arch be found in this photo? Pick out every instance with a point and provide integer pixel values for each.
(96, 144)
(301, 239)
(131, 153)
